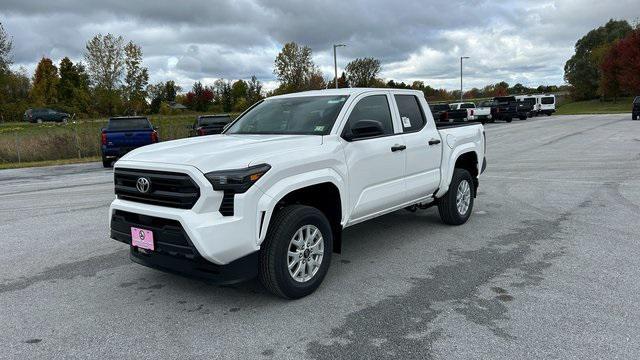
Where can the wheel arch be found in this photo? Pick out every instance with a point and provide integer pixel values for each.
(325, 192)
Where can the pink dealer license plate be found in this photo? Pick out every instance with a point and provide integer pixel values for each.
(142, 238)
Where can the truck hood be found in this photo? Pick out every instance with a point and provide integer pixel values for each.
(221, 152)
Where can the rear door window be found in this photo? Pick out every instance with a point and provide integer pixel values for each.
(547, 100)
(411, 114)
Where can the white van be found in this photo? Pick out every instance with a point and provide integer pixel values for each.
(542, 104)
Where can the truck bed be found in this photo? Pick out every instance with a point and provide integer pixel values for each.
(446, 124)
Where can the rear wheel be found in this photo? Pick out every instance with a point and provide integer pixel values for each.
(296, 253)
(106, 162)
(65, 120)
(634, 117)
(508, 120)
(456, 205)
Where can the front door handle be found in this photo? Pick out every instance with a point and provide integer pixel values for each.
(434, 142)
(398, 147)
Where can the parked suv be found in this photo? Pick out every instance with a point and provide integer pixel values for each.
(43, 114)
(270, 196)
(635, 112)
(210, 124)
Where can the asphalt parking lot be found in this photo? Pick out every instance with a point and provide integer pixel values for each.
(547, 267)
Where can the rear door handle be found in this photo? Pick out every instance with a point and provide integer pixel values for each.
(398, 147)
(434, 142)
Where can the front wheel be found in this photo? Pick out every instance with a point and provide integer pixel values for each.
(296, 253)
(456, 205)
(106, 163)
(508, 120)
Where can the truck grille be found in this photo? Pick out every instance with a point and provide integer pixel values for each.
(165, 188)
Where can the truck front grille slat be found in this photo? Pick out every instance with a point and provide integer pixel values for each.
(167, 188)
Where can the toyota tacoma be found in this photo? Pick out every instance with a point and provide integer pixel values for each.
(271, 195)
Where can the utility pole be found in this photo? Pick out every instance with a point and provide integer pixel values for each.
(335, 62)
(461, 58)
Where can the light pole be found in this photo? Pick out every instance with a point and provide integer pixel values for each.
(462, 57)
(335, 62)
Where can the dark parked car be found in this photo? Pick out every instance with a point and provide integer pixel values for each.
(444, 113)
(41, 115)
(124, 134)
(504, 108)
(635, 112)
(439, 111)
(210, 124)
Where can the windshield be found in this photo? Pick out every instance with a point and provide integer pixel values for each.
(128, 124)
(212, 120)
(467, 106)
(309, 115)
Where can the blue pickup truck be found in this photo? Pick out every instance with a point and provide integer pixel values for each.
(124, 134)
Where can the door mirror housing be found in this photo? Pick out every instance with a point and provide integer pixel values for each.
(364, 129)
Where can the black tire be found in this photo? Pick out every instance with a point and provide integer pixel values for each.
(508, 120)
(106, 163)
(634, 117)
(272, 264)
(447, 205)
(523, 117)
(64, 120)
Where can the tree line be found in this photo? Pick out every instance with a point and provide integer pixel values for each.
(606, 63)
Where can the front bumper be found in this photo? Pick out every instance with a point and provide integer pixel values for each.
(215, 238)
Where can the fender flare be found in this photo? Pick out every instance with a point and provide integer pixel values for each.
(448, 174)
(275, 193)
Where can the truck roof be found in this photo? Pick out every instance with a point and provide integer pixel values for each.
(345, 91)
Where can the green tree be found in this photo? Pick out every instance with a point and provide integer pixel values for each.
(45, 83)
(362, 72)
(254, 91)
(157, 93)
(171, 90)
(239, 91)
(294, 67)
(582, 70)
(73, 88)
(6, 44)
(105, 64)
(223, 94)
(135, 80)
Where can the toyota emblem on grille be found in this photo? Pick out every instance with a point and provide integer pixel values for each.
(143, 185)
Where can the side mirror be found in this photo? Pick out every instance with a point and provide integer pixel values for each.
(364, 129)
(156, 127)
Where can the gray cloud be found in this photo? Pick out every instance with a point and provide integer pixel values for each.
(516, 41)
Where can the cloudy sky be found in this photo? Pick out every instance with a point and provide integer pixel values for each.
(188, 40)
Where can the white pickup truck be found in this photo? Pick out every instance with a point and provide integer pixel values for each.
(271, 195)
(482, 114)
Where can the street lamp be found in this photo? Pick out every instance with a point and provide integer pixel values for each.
(462, 57)
(335, 62)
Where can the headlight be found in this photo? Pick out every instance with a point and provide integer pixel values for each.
(238, 180)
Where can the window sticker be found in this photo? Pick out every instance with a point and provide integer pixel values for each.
(319, 128)
(406, 122)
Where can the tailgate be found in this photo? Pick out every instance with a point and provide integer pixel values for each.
(132, 138)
